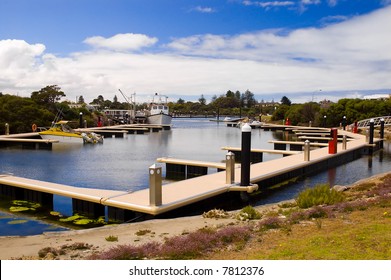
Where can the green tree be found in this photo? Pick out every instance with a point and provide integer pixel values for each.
(116, 104)
(48, 96)
(248, 99)
(238, 95)
(230, 94)
(309, 112)
(21, 112)
(285, 101)
(81, 99)
(280, 113)
(202, 100)
(99, 101)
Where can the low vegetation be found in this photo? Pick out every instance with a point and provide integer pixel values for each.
(216, 214)
(322, 223)
(112, 238)
(248, 213)
(50, 253)
(189, 246)
(320, 195)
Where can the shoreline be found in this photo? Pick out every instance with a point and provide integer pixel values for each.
(27, 247)
(80, 243)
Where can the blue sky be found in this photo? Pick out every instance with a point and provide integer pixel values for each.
(304, 49)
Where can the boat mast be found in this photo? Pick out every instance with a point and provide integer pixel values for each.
(131, 104)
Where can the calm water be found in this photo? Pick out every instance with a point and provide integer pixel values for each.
(122, 163)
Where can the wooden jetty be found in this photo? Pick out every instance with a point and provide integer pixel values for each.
(158, 199)
(33, 140)
(180, 169)
(257, 154)
(294, 145)
(26, 141)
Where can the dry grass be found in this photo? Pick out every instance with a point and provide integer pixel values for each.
(358, 229)
(357, 235)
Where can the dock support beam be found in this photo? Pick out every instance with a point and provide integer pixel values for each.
(344, 142)
(89, 209)
(246, 155)
(230, 168)
(307, 149)
(119, 215)
(371, 130)
(155, 185)
(381, 133)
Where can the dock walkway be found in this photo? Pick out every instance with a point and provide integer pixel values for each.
(182, 193)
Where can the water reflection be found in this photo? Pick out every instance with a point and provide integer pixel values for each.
(122, 163)
(18, 225)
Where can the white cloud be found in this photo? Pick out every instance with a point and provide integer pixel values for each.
(332, 3)
(206, 10)
(310, 2)
(122, 42)
(345, 57)
(16, 53)
(269, 4)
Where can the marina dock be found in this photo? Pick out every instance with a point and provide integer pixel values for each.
(33, 140)
(26, 141)
(159, 199)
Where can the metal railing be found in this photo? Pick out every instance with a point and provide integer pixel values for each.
(377, 120)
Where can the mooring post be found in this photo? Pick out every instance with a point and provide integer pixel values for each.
(155, 185)
(307, 149)
(371, 130)
(85, 123)
(246, 155)
(344, 123)
(334, 141)
(355, 127)
(7, 129)
(344, 142)
(81, 119)
(230, 168)
(381, 132)
(310, 124)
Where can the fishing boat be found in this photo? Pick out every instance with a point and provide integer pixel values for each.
(158, 113)
(62, 132)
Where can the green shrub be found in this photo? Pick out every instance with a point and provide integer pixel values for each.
(142, 232)
(111, 238)
(216, 213)
(248, 213)
(320, 195)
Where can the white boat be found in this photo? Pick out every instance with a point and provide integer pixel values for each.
(64, 134)
(253, 124)
(158, 113)
(230, 119)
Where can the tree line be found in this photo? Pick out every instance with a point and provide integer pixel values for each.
(43, 105)
(20, 113)
(331, 114)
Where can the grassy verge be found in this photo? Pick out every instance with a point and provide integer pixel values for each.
(363, 235)
(356, 229)
(320, 224)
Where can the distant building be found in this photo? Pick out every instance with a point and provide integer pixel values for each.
(325, 104)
